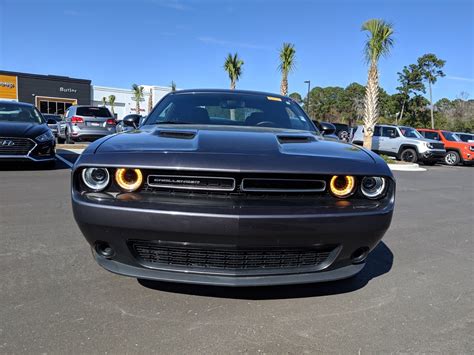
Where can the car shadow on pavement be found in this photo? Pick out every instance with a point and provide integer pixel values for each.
(30, 166)
(378, 263)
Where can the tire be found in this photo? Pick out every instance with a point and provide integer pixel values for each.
(343, 136)
(61, 140)
(68, 138)
(409, 155)
(452, 158)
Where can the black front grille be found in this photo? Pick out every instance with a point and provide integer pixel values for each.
(155, 254)
(233, 184)
(15, 146)
(437, 145)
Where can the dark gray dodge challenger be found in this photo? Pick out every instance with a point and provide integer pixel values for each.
(232, 188)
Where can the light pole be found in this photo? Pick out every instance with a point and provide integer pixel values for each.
(307, 96)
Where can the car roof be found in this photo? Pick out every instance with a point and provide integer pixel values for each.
(228, 91)
(429, 130)
(16, 102)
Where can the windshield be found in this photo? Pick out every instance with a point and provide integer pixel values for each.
(450, 136)
(94, 111)
(232, 109)
(12, 112)
(410, 132)
(57, 118)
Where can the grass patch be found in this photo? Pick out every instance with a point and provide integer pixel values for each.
(388, 159)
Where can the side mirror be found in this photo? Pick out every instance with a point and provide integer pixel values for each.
(327, 128)
(133, 121)
(51, 121)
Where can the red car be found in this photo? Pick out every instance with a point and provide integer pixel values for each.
(457, 151)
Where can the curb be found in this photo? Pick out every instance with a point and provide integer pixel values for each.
(405, 167)
(74, 151)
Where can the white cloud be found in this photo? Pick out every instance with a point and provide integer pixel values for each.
(459, 78)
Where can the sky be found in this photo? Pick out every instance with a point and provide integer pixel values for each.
(152, 42)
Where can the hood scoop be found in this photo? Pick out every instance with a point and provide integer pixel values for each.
(177, 134)
(285, 139)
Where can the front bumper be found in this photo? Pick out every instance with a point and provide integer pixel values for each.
(468, 157)
(432, 155)
(345, 228)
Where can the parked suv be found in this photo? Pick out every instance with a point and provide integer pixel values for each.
(457, 151)
(404, 143)
(87, 123)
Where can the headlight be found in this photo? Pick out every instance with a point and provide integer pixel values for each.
(96, 179)
(128, 179)
(471, 147)
(46, 136)
(373, 186)
(429, 145)
(342, 186)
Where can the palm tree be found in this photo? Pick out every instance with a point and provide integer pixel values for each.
(287, 65)
(137, 96)
(378, 44)
(150, 101)
(112, 103)
(173, 86)
(104, 101)
(233, 66)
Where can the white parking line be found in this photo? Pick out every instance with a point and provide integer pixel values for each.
(67, 162)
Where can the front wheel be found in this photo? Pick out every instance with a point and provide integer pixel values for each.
(452, 158)
(409, 155)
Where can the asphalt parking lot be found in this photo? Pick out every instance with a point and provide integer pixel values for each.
(414, 295)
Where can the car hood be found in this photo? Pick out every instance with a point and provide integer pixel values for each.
(22, 129)
(231, 148)
(417, 140)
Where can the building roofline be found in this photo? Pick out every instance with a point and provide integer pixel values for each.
(47, 77)
(251, 92)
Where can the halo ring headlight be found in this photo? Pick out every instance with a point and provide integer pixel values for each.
(342, 186)
(128, 179)
(373, 186)
(96, 179)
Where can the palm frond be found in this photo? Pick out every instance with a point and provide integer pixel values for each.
(379, 39)
(287, 58)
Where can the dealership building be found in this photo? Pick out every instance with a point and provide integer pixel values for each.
(54, 94)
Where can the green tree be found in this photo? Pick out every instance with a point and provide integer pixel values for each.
(233, 66)
(297, 97)
(411, 82)
(104, 101)
(173, 86)
(326, 103)
(430, 67)
(112, 103)
(137, 96)
(353, 103)
(286, 66)
(417, 112)
(378, 43)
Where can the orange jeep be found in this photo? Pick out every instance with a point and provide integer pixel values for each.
(457, 151)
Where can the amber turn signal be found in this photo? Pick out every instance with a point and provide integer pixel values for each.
(342, 186)
(128, 179)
